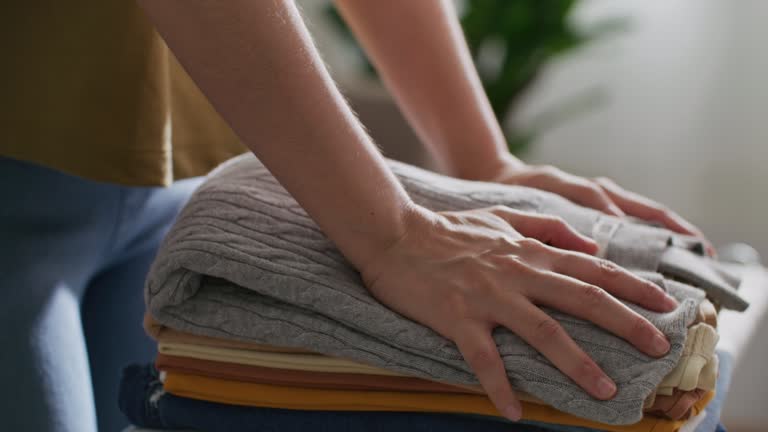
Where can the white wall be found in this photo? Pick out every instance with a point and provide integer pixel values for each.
(682, 123)
(686, 123)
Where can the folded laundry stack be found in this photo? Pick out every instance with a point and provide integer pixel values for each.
(256, 312)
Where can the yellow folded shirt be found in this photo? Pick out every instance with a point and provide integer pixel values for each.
(272, 396)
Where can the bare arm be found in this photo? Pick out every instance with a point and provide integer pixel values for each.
(256, 63)
(448, 270)
(419, 49)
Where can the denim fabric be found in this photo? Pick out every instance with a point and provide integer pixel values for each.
(146, 405)
(711, 421)
(73, 258)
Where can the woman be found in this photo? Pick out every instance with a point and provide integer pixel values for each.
(82, 242)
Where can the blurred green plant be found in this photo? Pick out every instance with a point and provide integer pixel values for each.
(512, 41)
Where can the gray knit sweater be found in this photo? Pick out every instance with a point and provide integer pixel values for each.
(244, 261)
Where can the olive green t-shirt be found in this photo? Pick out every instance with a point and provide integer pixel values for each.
(88, 87)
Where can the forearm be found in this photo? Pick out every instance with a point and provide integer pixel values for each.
(419, 50)
(256, 63)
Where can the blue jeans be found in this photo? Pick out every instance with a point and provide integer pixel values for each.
(711, 422)
(73, 258)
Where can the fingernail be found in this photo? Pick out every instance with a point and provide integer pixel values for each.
(660, 344)
(605, 388)
(512, 412)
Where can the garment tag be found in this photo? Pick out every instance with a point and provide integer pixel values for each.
(602, 233)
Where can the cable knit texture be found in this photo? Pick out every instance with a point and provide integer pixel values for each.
(244, 261)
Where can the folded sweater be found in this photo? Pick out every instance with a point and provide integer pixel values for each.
(244, 261)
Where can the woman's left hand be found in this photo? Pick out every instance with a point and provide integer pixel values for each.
(600, 193)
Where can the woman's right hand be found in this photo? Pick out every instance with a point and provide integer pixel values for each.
(463, 273)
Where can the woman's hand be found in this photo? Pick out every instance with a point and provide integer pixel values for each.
(464, 273)
(600, 193)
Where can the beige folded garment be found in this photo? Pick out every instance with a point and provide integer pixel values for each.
(291, 361)
(698, 365)
(697, 368)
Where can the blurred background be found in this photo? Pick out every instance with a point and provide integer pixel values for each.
(668, 98)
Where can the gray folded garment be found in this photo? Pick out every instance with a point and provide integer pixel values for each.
(685, 265)
(632, 245)
(244, 261)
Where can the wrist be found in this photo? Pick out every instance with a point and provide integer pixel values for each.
(491, 168)
(413, 218)
(364, 245)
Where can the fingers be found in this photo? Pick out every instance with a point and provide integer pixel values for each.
(594, 304)
(547, 229)
(588, 194)
(576, 189)
(644, 208)
(605, 195)
(614, 279)
(480, 352)
(549, 338)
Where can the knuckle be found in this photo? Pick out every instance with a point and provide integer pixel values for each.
(505, 243)
(593, 296)
(499, 209)
(547, 330)
(520, 269)
(531, 244)
(608, 270)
